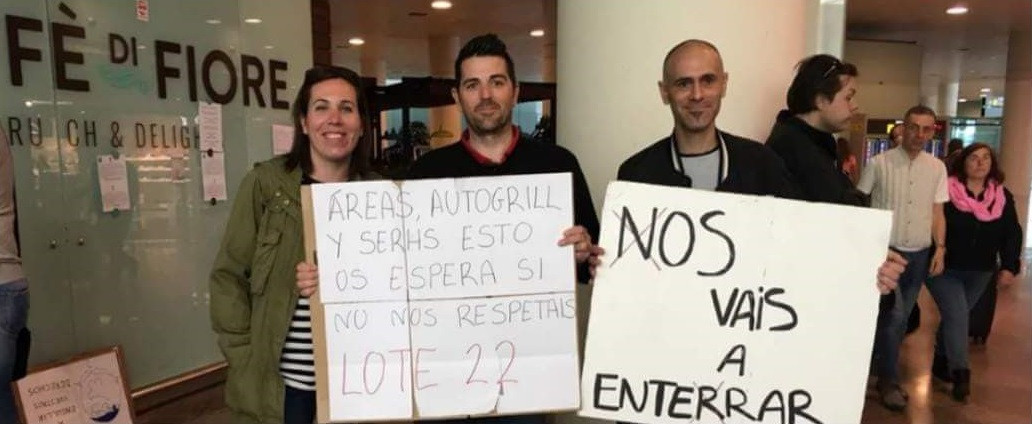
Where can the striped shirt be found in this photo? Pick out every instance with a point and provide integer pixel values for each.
(297, 363)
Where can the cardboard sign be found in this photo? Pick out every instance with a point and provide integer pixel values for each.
(444, 298)
(88, 389)
(720, 308)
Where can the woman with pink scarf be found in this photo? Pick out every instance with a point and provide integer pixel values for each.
(982, 234)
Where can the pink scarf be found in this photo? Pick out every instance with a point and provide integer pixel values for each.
(985, 210)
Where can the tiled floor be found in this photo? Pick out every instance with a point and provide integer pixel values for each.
(1001, 370)
(1001, 373)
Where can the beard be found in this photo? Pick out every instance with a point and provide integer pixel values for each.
(480, 124)
(693, 124)
(695, 116)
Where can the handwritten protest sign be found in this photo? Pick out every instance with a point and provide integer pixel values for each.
(720, 308)
(87, 389)
(444, 298)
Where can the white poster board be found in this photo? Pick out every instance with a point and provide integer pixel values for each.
(720, 308)
(444, 298)
(88, 389)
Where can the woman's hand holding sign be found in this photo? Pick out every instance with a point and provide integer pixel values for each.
(307, 278)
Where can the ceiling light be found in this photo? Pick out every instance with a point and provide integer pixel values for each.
(957, 10)
(537, 33)
(253, 20)
(441, 4)
(268, 47)
(213, 21)
(962, 100)
(986, 90)
(355, 41)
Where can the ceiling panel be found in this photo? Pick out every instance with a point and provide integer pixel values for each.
(397, 32)
(976, 42)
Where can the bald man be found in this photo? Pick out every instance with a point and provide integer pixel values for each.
(697, 154)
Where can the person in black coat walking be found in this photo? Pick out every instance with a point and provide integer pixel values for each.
(981, 228)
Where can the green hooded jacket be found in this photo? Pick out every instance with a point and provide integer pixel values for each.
(253, 288)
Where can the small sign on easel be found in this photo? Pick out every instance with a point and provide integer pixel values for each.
(90, 388)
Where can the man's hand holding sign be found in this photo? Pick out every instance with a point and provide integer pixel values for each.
(444, 297)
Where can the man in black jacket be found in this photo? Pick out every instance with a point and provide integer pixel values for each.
(820, 103)
(697, 154)
(486, 90)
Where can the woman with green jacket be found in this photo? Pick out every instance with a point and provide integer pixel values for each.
(262, 322)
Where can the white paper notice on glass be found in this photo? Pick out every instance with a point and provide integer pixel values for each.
(143, 10)
(282, 138)
(209, 117)
(114, 183)
(213, 171)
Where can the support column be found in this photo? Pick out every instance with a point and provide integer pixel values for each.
(603, 127)
(829, 17)
(322, 43)
(550, 11)
(949, 87)
(443, 51)
(930, 92)
(949, 93)
(931, 79)
(1016, 144)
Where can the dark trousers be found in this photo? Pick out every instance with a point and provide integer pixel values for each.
(981, 318)
(298, 406)
(892, 326)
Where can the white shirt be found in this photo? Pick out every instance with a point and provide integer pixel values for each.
(910, 189)
(703, 169)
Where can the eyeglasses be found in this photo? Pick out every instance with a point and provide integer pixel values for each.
(834, 65)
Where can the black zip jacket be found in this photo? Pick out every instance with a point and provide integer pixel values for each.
(527, 157)
(810, 156)
(747, 167)
(973, 245)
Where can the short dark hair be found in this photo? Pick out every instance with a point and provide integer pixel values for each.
(300, 152)
(817, 75)
(954, 145)
(957, 167)
(894, 126)
(692, 41)
(919, 110)
(484, 45)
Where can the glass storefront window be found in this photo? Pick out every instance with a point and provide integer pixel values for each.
(87, 79)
